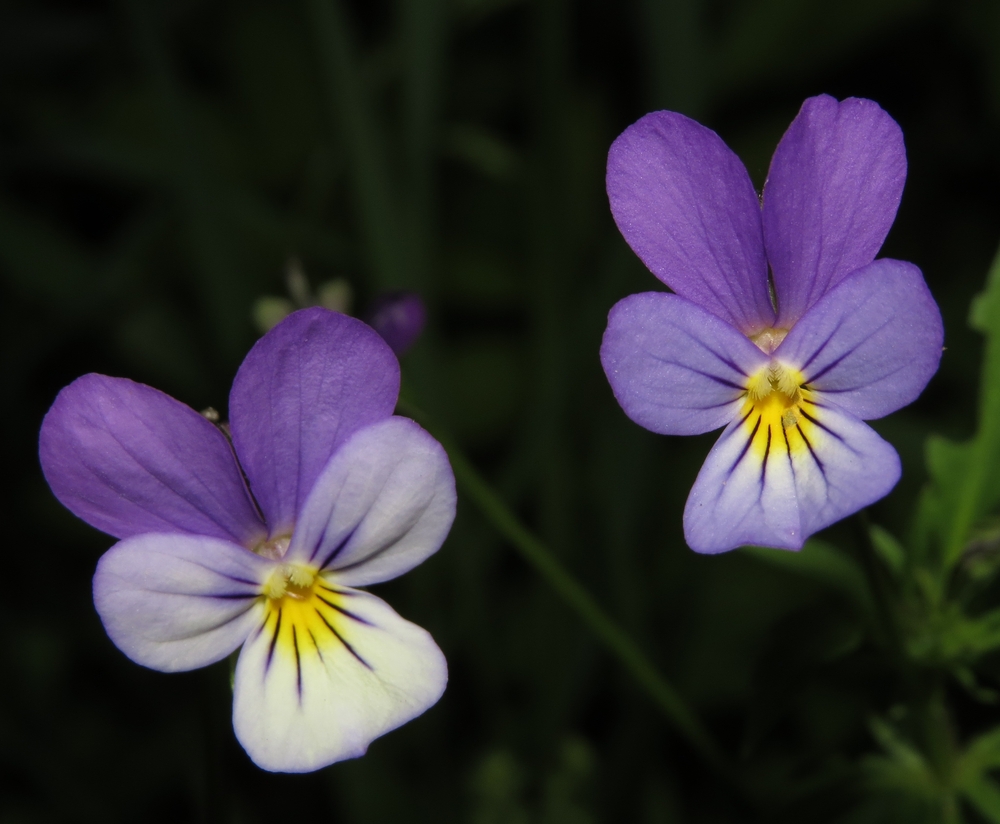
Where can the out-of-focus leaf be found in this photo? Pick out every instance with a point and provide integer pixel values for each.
(949, 637)
(497, 785)
(888, 548)
(984, 795)
(981, 755)
(903, 768)
(825, 565)
(565, 800)
(967, 678)
(966, 477)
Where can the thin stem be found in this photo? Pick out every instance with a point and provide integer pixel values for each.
(614, 639)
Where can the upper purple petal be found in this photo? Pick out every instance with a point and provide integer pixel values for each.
(304, 388)
(675, 368)
(128, 459)
(872, 343)
(686, 206)
(830, 198)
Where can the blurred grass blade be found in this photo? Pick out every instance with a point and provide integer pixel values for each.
(614, 639)
(423, 27)
(351, 113)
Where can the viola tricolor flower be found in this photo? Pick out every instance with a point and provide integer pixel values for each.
(789, 362)
(261, 540)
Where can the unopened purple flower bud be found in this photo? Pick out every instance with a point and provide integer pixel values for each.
(399, 318)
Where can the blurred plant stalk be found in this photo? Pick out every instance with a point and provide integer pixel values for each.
(618, 642)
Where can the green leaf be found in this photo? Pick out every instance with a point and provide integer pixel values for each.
(888, 549)
(966, 476)
(984, 795)
(903, 768)
(949, 638)
(982, 754)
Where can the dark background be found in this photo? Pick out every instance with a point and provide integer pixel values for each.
(159, 164)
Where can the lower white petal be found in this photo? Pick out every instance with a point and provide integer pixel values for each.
(777, 475)
(326, 673)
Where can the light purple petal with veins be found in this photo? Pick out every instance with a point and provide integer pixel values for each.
(383, 504)
(178, 602)
(305, 388)
(674, 367)
(872, 343)
(128, 459)
(780, 500)
(831, 196)
(686, 206)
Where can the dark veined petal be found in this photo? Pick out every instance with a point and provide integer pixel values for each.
(128, 459)
(674, 367)
(830, 198)
(384, 503)
(872, 343)
(686, 206)
(306, 387)
(178, 602)
(324, 676)
(774, 479)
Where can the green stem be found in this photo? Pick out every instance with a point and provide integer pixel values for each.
(614, 639)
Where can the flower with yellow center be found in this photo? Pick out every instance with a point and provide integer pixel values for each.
(783, 328)
(259, 543)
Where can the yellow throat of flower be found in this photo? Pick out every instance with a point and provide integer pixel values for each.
(779, 411)
(306, 615)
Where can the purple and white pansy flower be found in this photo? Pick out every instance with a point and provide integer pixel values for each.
(783, 327)
(260, 541)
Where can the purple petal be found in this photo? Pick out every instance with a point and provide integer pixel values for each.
(315, 686)
(178, 602)
(128, 459)
(686, 206)
(831, 195)
(384, 503)
(305, 387)
(871, 343)
(675, 368)
(769, 485)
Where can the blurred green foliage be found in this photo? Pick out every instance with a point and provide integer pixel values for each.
(160, 165)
